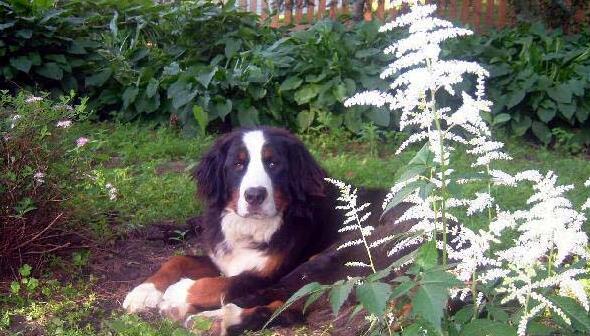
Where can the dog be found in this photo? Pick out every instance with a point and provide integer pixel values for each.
(270, 227)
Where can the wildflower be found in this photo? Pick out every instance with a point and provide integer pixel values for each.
(14, 119)
(112, 191)
(81, 142)
(33, 99)
(39, 177)
(64, 123)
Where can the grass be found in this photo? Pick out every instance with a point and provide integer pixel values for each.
(150, 169)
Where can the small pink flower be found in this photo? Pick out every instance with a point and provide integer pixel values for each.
(64, 124)
(81, 141)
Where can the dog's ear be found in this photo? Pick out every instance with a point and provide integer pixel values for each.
(306, 175)
(210, 173)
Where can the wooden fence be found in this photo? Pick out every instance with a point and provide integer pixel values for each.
(479, 14)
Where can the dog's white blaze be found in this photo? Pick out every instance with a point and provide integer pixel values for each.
(236, 254)
(256, 176)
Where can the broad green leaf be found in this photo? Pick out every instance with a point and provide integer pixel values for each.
(205, 77)
(427, 256)
(364, 53)
(306, 93)
(231, 47)
(152, 87)
(305, 119)
(339, 91)
(223, 108)
(374, 296)
(567, 110)
(484, 327)
(380, 116)
(315, 78)
(515, 98)
(201, 117)
(542, 132)
(560, 93)
(401, 195)
(24, 33)
(291, 83)
(574, 311)
(181, 93)
(546, 115)
(129, 96)
(99, 78)
(429, 303)
(50, 70)
(248, 116)
(520, 127)
(339, 294)
(501, 118)
(22, 63)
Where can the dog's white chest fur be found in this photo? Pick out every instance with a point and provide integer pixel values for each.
(238, 252)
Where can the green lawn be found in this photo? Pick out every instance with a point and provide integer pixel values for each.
(149, 167)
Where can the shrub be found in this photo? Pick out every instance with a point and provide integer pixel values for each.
(520, 271)
(539, 78)
(33, 162)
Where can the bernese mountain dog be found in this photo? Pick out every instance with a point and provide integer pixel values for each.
(270, 228)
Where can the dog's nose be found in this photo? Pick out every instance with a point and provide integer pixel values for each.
(255, 196)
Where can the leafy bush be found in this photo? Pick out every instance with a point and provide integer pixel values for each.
(516, 271)
(41, 47)
(34, 160)
(540, 79)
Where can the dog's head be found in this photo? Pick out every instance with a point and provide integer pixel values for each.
(258, 173)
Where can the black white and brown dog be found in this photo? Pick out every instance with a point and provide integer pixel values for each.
(270, 227)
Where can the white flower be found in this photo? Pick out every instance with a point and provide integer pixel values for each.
(64, 123)
(39, 177)
(33, 99)
(14, 120)
(81, 141)
(112, 191)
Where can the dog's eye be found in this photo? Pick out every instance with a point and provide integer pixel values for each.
(271, 164)
(239, 165)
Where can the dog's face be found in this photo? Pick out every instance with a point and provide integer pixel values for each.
(255, 173)
(258, 173)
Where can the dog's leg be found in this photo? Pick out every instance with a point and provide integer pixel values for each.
(150, 292)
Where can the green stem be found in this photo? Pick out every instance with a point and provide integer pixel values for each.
(358, 221)
(474, 295)
(443, 178)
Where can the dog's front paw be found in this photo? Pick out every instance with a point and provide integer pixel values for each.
(142, 297)
(222, 319)
(174, 303)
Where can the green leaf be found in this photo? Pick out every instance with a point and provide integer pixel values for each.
(152, 87)
(205, 77)
(50, 70)
(427, 256)
(223, 108)
(546, 115)
(248, 116)
(313, 297)
(364, 53)
(201, 117)
(374, 296)
(380, 116)
(306, 93)
(305, 119)
(567, 110)
(99, 78)
(542, 132)
(231, 47)
(574, 311)
(401, 195)
(181, 93)
(339, 294)
(290, 83)
(25, 270)
(22, 63)
(129, 96)
(402, 289)
(339, 91)
(303, 291)
(315, 78)
(560, 93)
(521, 126)
(483, 327)
(429, 303)
(515, 98)
(501, 118)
